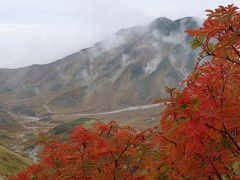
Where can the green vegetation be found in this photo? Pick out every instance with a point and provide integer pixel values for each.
(65, 128)
(136, 71)
(11, 162)
(22, 109)
(5, 118)
(26, 93)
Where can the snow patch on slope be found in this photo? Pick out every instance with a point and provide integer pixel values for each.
(152, 65)
(125, 61)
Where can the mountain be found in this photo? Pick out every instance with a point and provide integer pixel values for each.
(130, 68)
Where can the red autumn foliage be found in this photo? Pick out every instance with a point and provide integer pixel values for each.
(200, 127)
(106, 151)
(201, 124)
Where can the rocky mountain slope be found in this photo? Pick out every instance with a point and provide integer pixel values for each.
(130, 68)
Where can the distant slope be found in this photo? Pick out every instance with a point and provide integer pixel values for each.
(5, 117)
(130, 68)
(11, 162)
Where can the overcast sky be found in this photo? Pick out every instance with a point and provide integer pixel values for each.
(42, 31)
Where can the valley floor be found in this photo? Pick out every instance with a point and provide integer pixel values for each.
(18, 136)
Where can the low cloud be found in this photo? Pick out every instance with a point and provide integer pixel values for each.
(42, 31)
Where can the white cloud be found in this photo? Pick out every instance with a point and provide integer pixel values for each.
(42, 31)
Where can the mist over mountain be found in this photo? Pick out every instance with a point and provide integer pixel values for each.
(130, 68)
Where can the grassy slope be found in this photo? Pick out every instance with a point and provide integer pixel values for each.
(11, 162)
(65, 128)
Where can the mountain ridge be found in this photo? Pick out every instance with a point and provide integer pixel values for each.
(125, 65)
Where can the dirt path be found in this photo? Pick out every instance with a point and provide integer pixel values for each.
(134, 108)
(48, 109)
